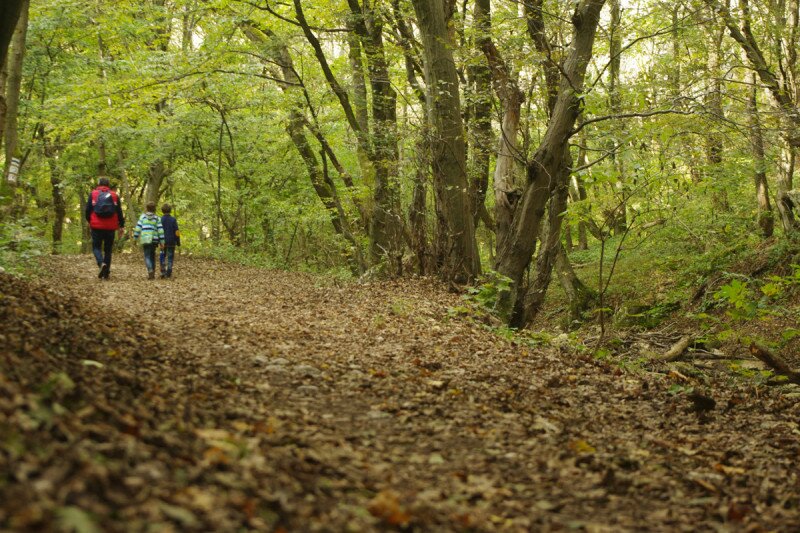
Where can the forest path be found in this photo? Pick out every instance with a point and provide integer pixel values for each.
(285, 401)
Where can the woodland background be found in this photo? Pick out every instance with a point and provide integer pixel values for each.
(632, 152)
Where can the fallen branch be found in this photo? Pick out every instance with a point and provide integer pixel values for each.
(677, 349)
(775, 362)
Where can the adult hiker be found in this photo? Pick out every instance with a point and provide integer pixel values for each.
(104, 215)
(172, 238)
(149, 233)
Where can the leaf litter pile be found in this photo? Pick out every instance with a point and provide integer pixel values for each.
(233, 398)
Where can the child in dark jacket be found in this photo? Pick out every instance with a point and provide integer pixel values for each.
(172, 238)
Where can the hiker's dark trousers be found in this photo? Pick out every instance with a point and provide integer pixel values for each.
(102, 244)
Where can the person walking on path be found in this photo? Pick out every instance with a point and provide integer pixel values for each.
(172, 238)
(149, 233)
(104, 215)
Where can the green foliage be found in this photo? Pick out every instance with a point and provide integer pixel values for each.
(486, 293)
(20, 245)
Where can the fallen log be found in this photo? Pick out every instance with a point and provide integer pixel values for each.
(775, 362)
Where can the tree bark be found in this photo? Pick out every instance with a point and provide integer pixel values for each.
(51, 151)
(766, 219)
(480, 77)
(14, 86)
(550, 157)
(579, 296)
(506, 190)
(457, 250)
(10, 11)
(551, 243)
(620, 222)
(386, 224)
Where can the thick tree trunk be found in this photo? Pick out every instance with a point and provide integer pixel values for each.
(457, 251)
(155, 179)
(548, 162)
(766, 219)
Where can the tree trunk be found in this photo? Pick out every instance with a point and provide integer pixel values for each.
(766, 219)
(51, 151)
(579, 296)
(13, 87)
(480, 78)
(417, 212)
(714, 139)
(10, 11)
(457, 250)
(86, 235)
(551, 243)
(620, 221)
(786, 206)
(320, 179)
(386, 224)
(506, 190)
(548, 162)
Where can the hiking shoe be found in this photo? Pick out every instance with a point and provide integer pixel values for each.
(151, 275)
(103, 271)
(163, 275)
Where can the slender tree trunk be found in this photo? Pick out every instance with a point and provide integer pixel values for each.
(59, 204)
(457, 250)
(786, 206)
(620, 221)
(577, 192)
(86, 236)
(14, 86)
(714, 139)
(480, 78)
(417, 214)
(766, 219)
(320, 179)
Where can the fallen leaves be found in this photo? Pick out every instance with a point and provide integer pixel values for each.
(274, 403)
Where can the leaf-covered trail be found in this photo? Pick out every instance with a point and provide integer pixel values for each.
(271, 400)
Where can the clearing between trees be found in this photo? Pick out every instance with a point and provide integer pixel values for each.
(234, 398)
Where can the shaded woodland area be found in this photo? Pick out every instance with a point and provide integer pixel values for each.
(433, 252)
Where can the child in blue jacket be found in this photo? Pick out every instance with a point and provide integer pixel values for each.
(172, 238)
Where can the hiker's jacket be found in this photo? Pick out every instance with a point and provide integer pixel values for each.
(172, 236)
(148, 229)
(117, 220)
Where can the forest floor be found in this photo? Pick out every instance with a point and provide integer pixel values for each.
(233, 398)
